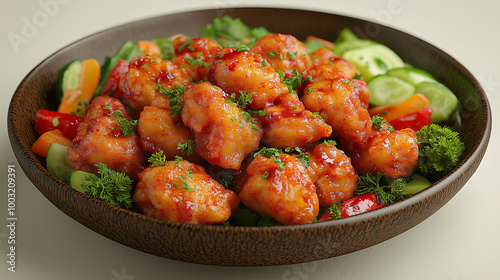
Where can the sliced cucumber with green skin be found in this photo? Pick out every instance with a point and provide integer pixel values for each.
(345, 46)
(68, 78)
(58, 161)
(76, 178)
(417, 184)
(443, 101)
(345, 35)
(373, 60)
(413, 76)
(389, 90)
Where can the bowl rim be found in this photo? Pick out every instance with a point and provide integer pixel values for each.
(25, 157)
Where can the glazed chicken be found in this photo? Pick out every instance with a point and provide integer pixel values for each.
(394, 154)
(183, 192)
(224, 134)
(324, 56)
(159, 131)
(336, 99)
(332, 173)
(284, 53)
(289, 124)
(235, 71)
(147, 77)
(285, 193)
(195, 55)
(100, 139)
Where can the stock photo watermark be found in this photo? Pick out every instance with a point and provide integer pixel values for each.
(11, 222)
(32, 25)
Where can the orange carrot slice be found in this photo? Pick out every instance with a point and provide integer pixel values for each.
(41, 145)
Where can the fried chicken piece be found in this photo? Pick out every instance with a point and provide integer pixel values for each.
(335, 98)
(394, 154)
(289, 124)
(182, 192)
(235, 71)
(100, 139)
(147, 77)
(285, 193)
(195, 55)
(332, 172)
(158, 131)
(284, 52)
(225, 134)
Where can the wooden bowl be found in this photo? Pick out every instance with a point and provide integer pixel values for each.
(249, 246)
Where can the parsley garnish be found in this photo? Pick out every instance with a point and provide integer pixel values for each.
(127, 126)
(184, 181)
(110, 186)
(186, 148)
(378, 123)
(157, 159)
(388, 193)
(347, 81)
(197, 61)
(174, 97)
(188, 43)
(242, 100)
(330, 142)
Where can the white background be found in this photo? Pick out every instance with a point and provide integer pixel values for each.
(460, 241)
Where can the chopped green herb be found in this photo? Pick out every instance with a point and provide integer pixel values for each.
(379, 122)
(186, 148)
(157, 159)
(127, 126)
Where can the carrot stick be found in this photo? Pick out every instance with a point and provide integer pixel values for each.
(74, 101)
(41, 145)
(411, 105)
(149, 48)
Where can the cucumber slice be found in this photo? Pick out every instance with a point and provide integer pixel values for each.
(345, 46)
(345, 35)
(58, 161)
(417, 184)
(373, 60)
(413, 76)
(76, 178)
(443, 101)
(389, 90)
(68, 78)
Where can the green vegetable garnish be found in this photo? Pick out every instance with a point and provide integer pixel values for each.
(112, 187)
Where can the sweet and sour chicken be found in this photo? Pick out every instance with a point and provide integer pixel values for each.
(225, 104)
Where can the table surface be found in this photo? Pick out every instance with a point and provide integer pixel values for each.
(460, 241)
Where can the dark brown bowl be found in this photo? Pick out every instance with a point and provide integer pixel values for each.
(250, 246)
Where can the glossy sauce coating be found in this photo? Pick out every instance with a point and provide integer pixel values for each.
(394, 154)
(334, 97)
(284, 52)
(195, 55)
(223, 135)
(236, 71)
(158, 131)
(288, 124)
(100, 140)
(286, 194)
(140, 85)
(332, 173)
(183, 192)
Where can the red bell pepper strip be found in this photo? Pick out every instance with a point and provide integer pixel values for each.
(113, 81)
(357, 205)
(46, 120)
(414, 121)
